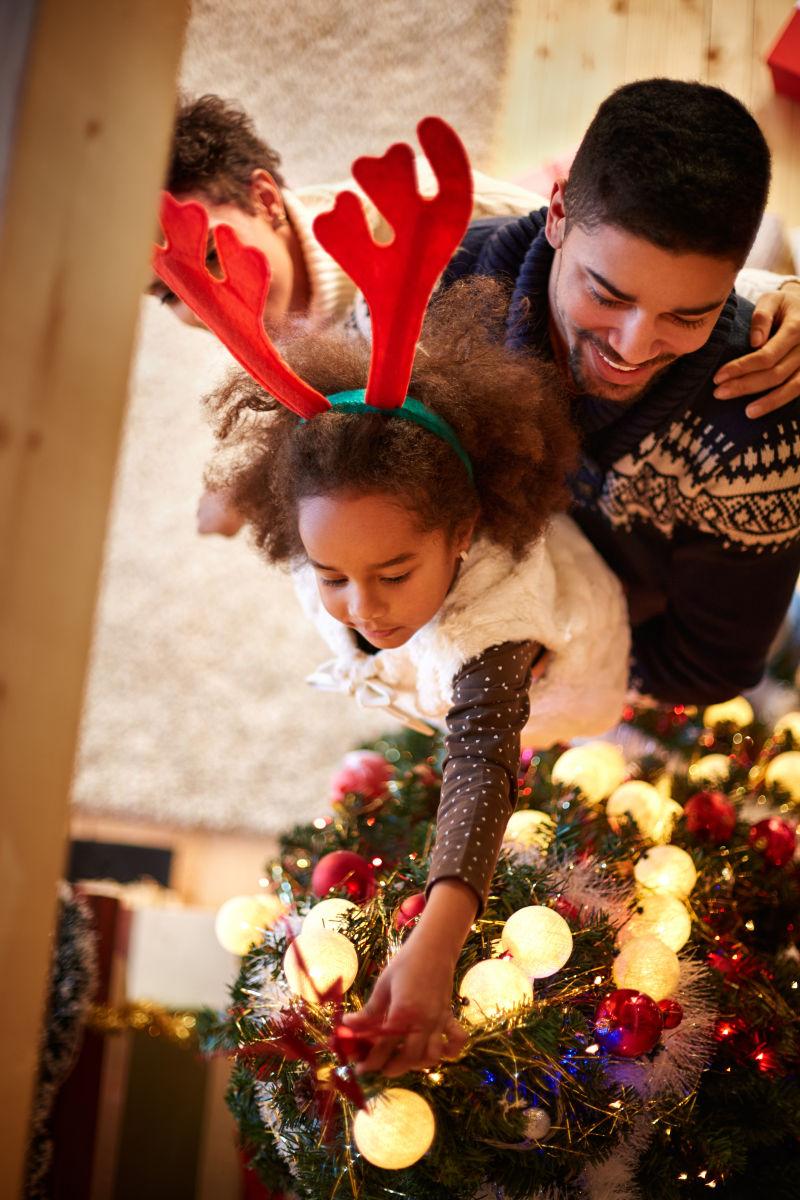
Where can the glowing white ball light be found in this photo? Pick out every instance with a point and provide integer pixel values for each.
(240, 923)
(737, 712)
(642, 802)
(711, 769)
(395, 1129)
(596, 769)
(784, 772)
(647, 965)
(538, 939)
(662, 916)
(666, 869)
(326, 956)
(529, 829)
(493, 987)
(329, 914)
(789, 723)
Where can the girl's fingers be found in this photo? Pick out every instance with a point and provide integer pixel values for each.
(381, 1053)
(453, 1039)
(410, 1055)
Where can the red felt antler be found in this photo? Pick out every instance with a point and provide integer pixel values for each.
(397, 279)
(232, 307)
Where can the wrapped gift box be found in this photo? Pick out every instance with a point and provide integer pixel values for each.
(174, 959)
(784, 58)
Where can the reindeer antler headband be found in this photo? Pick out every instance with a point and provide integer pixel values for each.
(397, 278)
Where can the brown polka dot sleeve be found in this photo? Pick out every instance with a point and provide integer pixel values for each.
(479, 786)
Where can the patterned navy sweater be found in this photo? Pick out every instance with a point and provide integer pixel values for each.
(695, 506)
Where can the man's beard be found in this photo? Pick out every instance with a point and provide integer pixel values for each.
(602, 388)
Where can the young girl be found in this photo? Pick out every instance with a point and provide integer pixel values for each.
(428, 547)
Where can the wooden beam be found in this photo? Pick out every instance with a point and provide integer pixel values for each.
(91, 129)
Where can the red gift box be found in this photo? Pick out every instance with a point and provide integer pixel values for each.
(784, 59)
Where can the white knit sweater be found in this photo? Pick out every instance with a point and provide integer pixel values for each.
(561, 595)
(333, 293)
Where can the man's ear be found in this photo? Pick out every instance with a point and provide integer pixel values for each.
(266, 195)
(556, 224)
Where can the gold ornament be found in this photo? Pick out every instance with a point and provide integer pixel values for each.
(329, 914)
(662, 916)
(737, 712)
(647, 965)
(326, 957)
(711, 770)
(492, 987)
(529, 829)
(666, 869)
(596, 768)
(538, 939)
(144, 1017)
(395, 1129)
(242, 921)
(784, 772)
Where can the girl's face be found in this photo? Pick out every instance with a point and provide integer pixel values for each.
(376, 571)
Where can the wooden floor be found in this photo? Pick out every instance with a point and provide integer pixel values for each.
(567, 55)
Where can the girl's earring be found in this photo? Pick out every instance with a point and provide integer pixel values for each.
(279, 219)
(462, 554)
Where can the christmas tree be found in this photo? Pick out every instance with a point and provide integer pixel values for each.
(630, 989)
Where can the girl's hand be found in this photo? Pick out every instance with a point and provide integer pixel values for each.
(413, 996)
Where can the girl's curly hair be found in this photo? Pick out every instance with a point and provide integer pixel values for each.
(510, 413)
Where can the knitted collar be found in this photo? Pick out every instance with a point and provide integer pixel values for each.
(520, 250)
(325, 277)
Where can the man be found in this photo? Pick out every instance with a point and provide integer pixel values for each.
(626, 282)
(219, 160)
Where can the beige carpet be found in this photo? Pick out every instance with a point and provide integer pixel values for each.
(196, 710)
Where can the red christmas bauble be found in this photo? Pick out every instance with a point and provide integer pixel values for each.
(671, 1013)
(409, 910)
(344, 869)
(711, 816)
(628, 1023)
(362, 772)
(566, 909)
(775, 839)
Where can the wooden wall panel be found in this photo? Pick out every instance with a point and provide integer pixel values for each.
(565, 57)
(92, 129)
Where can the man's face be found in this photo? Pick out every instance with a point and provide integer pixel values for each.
(623, 308)
(264, 229)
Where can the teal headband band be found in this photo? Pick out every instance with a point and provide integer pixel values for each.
(411, 410)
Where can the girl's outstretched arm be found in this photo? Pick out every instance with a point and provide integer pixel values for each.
(414, 993)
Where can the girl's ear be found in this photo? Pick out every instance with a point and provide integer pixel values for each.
(462, 539)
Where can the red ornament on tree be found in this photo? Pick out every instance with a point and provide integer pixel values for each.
(628, 1023)
(566, 909)
(344, 869)
(409, 910)
(671, 1013)
(710, 816)
(364, 772)
(775, 839)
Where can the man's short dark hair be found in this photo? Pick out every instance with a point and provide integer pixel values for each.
(683, 165)
(215, 150)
